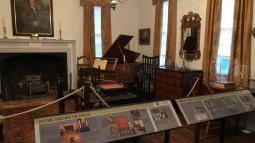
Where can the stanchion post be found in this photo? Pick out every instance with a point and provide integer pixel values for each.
(61, 104)
(197, 133)
(222, 131)
(167, 136)
(87, 92)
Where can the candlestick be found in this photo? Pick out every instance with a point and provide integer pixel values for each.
(4, 31)
(124, 59)
(60, 31)
(60, 34)
(60, 25)
(220, 72)
(3, 22)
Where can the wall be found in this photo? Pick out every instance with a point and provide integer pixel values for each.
(183, 7)
(146, 17)
(69, 13)
(124, 21)
(128, 18)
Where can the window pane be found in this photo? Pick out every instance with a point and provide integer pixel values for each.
(225, 42)
(223, 65)
(224, 49)
(98, 37)
(164, 34)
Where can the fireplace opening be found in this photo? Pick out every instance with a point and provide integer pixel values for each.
(26, 75)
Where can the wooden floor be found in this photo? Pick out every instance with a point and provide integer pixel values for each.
(22, 127)
(186, 135)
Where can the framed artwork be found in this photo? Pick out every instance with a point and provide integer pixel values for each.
(144, 36)
(253, 32)
(32, 16)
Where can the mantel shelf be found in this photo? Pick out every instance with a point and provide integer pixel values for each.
(35, 41)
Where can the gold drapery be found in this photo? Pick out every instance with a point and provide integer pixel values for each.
(241, 42)
(171, 30)
(88, 34)
(89, 31)
(106, 27)
(157, 27)
(211, 41)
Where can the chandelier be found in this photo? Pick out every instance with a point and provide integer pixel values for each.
(115, 2)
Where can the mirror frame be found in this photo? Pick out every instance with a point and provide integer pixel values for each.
(191, 20)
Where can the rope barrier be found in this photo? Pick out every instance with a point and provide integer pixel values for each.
(193, 87)
(40, 107)
(95, 92)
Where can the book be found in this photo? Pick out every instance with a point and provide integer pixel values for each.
(224, 85)
(100, 64)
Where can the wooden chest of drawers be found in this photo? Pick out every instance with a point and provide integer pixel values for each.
(173, 83)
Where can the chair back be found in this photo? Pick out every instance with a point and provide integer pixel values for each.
(89, 74)
(147, 75)
(150, 64)
(83, 62)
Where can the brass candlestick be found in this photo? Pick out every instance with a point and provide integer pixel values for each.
(4, 31)
(183, 60)
(60, 34)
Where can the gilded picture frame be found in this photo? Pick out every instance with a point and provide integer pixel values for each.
(32, 16)
(253, 32)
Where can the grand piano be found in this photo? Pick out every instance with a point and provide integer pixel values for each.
(126, 67)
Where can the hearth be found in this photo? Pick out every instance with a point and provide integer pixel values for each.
(30, 74)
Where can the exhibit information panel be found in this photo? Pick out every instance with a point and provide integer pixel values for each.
(210, 107)
(106, 125)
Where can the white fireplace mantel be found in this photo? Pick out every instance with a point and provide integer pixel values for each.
(44, 46)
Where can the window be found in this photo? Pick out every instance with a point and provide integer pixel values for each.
(98, 35)
(164, 34)
(224, 49)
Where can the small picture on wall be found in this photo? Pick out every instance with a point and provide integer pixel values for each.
(144, 36)
(32, 16)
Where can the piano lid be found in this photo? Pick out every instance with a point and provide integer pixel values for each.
(118, 48)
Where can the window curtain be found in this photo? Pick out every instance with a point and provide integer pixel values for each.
(106, 27)
(211, 43)
(157, 26)
(171, 30)
(89, 34)
(241, 42)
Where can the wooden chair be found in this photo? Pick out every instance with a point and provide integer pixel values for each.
(80, 101)
(89, 74)
(147, 75)
(83, 62)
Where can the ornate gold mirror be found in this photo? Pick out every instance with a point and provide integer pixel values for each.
(190, 37)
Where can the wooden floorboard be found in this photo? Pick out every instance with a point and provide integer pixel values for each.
(21, 127)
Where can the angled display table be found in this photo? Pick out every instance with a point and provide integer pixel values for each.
(197, 110)
(108, 124)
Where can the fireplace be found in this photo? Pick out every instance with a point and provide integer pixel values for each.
(28, 74)
(29, 68)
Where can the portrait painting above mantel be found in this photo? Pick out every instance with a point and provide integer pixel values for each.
(32, 16)
(190, 37)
